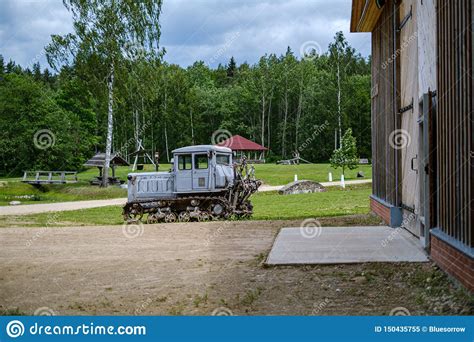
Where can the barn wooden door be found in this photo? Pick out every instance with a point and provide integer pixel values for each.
(408, 114)
(427, 152)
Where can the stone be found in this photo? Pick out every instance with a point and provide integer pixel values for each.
(301, 187)
(360, 174)
(15, 203)
(359, 279)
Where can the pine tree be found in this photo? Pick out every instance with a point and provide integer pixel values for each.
(231, 68)
(37, 72)
(2, 65)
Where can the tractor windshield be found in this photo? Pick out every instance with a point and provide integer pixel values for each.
(222, 159)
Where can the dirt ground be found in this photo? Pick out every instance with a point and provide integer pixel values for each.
(201, 269)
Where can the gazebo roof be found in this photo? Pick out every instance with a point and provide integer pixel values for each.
(99, 160)
(239, 143)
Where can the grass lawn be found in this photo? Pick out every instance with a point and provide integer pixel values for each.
(28, 194)
(335, 202)
(12, 189)
(274, 174)
(267, 206)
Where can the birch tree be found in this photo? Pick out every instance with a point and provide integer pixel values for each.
(336, 59)
(110, 30)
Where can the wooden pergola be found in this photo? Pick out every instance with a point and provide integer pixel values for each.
(244, 146)
(99, 161)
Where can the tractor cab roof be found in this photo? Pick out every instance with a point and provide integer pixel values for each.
(202, 148)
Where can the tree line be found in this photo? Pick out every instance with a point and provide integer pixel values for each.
(284, 102)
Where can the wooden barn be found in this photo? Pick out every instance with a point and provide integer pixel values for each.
(423, 124)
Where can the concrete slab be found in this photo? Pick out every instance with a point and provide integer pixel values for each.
(345, 245)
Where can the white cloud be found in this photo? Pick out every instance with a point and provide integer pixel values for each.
(208, 30)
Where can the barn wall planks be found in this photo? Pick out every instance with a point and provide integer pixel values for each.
(455, 119)
(425, 17)
(385, 101)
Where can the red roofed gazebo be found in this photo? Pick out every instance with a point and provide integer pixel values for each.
(243, 146)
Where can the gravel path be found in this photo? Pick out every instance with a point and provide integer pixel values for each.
(26, 209)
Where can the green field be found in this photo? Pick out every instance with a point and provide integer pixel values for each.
(16, 191)
(12, 189)
(335, 202)
(267, 206)
(273, 174)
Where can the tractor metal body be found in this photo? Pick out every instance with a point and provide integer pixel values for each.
(203, 183)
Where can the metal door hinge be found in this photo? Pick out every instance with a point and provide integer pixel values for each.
(405, 20)
(406, 108)
(412, 163)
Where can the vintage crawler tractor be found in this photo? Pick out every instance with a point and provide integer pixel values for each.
(203, 184)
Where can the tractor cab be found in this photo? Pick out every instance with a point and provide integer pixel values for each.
(202, 168)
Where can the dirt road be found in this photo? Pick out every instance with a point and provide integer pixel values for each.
(174, 269)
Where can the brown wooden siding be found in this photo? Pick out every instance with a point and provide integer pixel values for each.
(454, 129)
(385, 100)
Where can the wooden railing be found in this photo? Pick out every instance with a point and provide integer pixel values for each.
(49, 177)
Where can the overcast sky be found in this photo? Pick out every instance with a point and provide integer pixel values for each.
(208, 30)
